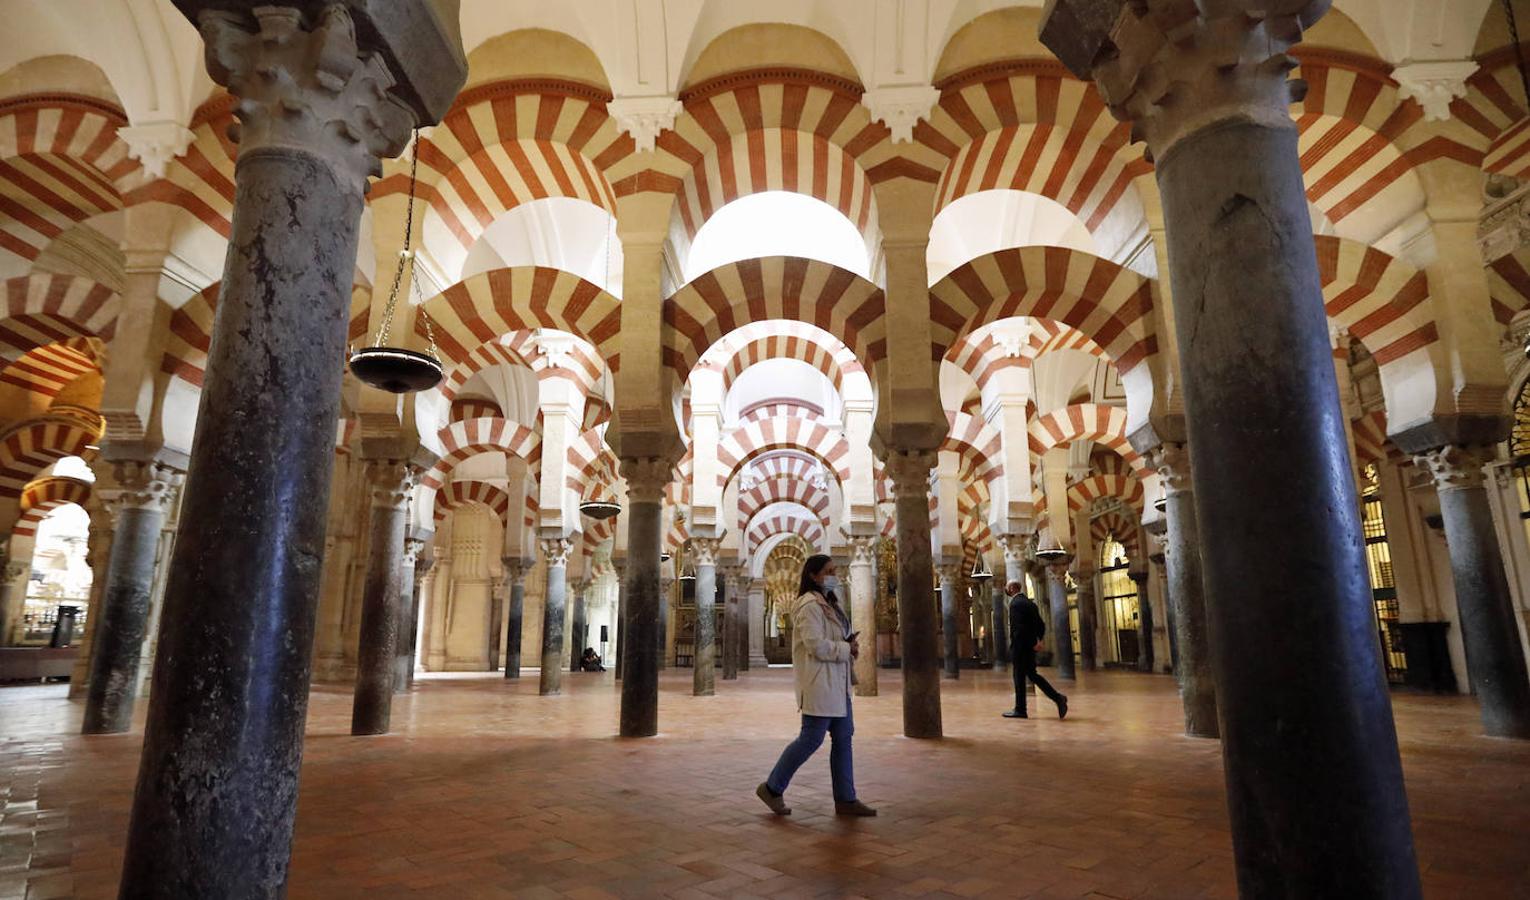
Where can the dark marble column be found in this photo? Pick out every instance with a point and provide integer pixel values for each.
(555, 553)
(146, 491)
(515, 612)
(391, 482)
(646, 479)
(1305, 711)
(422, 566)
(863, 611)
(666, 594)
(998, 628)
(950, 607)
(738, 594)
(496, 629)
(1088, 619)
(1160, 560)
(1059, 627)
(910, 472)
(621, 618)
(730, 624)
(579, 630)
(1145, 651)
(1495, 659)
(408, 615)
(1182, 564)
(217, 786)
(704, 556)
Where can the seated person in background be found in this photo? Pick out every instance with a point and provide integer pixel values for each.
(590, 662)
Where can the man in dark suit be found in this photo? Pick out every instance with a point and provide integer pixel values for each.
(1025, 633)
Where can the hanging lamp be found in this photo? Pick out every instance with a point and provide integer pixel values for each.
(688, 572)
(1048, 548)
(980, 570)
(398, 370)
(595, 505)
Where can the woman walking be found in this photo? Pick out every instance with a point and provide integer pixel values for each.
(822, 649)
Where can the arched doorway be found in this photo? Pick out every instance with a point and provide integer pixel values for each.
(783, 570)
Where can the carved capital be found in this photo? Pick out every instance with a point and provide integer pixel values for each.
(704, 550)
(1172, 462)
(307, 88)
(949, 572)
(390, 482)
(516, 569)
(900, 108)
(413, 547)
(646, 478)
(156, 143)
(1455, 467)
(863, 549)
(1174, 67)
(16, 570)
(143, 485)
(555, 550)
(1014, 547)
(910, 472)
(1434, 84)
(644, 117)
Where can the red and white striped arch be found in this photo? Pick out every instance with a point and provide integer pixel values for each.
(1115, 525)
(812, 498)
(1370, 436)
(46, 308)
(1110, 304)
(464, 408)
(1104, 425)
(481, 493)
(464, 440)
(778, 287)
(32, 446)
(758, 342)
(590, 462)
(1380, 299)
(47, 370)
(506, 144)
(201, 180)
(768, 527)
(1509, 285)
(484, 308)
(779, 408)
(979, 445)
(747, 441)
(43, 496)
(1492, 108)
(982, 353)
(519, 348)
(1110, 475)
(61, 163)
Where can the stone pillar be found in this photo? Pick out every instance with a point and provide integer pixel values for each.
(1088, 619)
(1495, 659)
(738, 600)
(1139, 579)
(730, 623)
(515, 611)
(757, 623)
(498, 588)
(100, 547)
(1000, 632)
(704, 556)
(621, 618)
(577, 627)
(646, 479)
(1187, 594)
(555, 552)
(863, 611)
(403, 649)
(217, 786)
(1061, 630)
(950, 608)
(422, 566)
(910, 472)
(1304, 702)
(391, 482)
(666, 593)
(146, 491)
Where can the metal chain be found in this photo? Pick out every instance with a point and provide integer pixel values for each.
(1519, 51)
(405, 256)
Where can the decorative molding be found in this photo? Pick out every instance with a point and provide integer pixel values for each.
(863, 549)
(704, 550)
(645, 117)
(1434, 84)
(901, 108)
(910, 471)
(1455, 467)
(772, 75)
(555, 550)
(391, 483)
(156, 143)
(1172, 463)
(647, 478)
(1504, 226)
(143, 484)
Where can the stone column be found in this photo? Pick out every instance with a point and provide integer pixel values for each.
(1088, 619)
(621, 618)
(101, 528)
(666, 593)
(863, 611)
(757, 623)
(1304, 702)
(217, 786)
(1062, 632)
(555, 552)
(704, 556)
(146, 491)
(1139, 578)
(910, 472)
(1000, 633)
(391, 481)
(497, 590)
(739, 590)
(403, 649)
(422, 566)
(646, 479)
(1495, 659)
(730, 624)
(515, 611)
(950, 608)
(577, 627)
(1182, 564)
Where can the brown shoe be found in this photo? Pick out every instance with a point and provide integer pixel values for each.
(776, 802)
(853, 808)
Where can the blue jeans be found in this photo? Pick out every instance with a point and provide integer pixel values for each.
(841, 769)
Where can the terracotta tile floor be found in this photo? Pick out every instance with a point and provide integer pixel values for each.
(486, 790)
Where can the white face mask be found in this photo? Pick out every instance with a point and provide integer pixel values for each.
(830, 582)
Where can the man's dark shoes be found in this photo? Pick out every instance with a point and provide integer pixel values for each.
(776, 802)
(853, 808)
(1062, 707)
(1016, 714)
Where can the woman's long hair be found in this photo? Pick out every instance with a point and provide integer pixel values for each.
(807, 584)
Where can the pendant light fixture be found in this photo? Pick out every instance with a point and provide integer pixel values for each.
(980, 570)
(597, 505)
(1048, 548)
(395, 369)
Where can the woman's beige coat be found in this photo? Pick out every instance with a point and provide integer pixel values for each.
(820, 658)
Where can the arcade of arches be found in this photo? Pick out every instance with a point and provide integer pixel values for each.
(1203, 322)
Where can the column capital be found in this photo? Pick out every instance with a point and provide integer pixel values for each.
(413, 547)
(645, 118)
(948, 571)
(863, 549)
(704, 550)
(1014, 546)
(1434, 84)
(1174, 67)
(910, 471)
(516, 568)
(15, 569)
(1456, 467)
(1058, 569)
(307, 87)
(390, 482)
(143, 484)
(1172, 462)
(646, 477)
(556, 550)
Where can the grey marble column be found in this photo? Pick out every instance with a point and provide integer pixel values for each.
(704, 556)
(1061, 629)
(498, 589)
(101, 528)
(1182, 564)
(145, 491)
(998, 625)
(391, 482)
(666, 595)
(408, 614)
(863, 611)
(217, 786)
(1088, 619)
(1495, 659)
(1305, 711)
(910, 473)
(730, 624)
(950, 607)
(1145, 651)
(621, 618)
(577, 627)
(646, 479)
(1014, 546)
(555, 553)
(422, 566)
(738, 592)
(515, 612)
